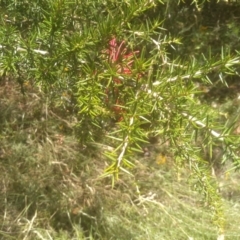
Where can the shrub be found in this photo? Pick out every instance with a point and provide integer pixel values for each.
(115, 65)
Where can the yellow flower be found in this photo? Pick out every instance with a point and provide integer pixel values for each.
(161, 159)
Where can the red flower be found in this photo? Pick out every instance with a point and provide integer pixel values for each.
(118, 56)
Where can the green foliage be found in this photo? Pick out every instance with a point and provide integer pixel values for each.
(128, 72)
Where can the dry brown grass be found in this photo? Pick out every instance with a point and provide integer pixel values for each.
(51, 186)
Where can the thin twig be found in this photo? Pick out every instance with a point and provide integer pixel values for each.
(124, 147)
(201, 124)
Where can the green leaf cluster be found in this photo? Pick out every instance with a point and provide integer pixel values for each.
(63, 47)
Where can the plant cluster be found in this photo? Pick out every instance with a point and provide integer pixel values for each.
(119, 72)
